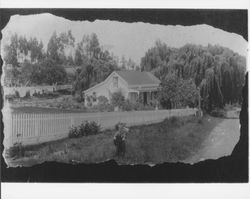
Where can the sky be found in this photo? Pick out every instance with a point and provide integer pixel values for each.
(131, 40)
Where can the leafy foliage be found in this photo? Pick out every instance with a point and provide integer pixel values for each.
(95, 64)
(25, 60)
(58, 45)
(217, 71)
(176, 92)
(85, 129)
(46, 72)
(102, 100)
(117, 99)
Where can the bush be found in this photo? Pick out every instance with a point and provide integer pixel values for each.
(74, 132)
(64, 92)
(128, 106)
(90, 128)
(78, 98)
(48, 95)
(117, 99)
(102, 100)
(10, 97)
(85, 129)
(52, 95)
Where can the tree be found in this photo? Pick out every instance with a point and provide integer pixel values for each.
(123, 63)
(11, 52)
(176, 92)
(57, 46)
(217, 71)
(11, 76)
(36, 49)
(53, 48)
(95, 62)
(47, 72)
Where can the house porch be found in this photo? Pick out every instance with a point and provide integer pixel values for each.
(144, 97)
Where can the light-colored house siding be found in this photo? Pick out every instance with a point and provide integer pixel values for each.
(106, 88)
(131, 86)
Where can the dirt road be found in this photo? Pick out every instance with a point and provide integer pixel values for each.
(220, 142)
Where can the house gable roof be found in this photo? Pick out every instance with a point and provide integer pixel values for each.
(131, 78)
(138, 78)
(101, 83)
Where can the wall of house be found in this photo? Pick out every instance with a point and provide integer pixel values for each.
(107, 89)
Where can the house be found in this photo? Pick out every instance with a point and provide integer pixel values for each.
(134, 85)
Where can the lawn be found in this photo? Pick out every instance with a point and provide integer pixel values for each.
(172, 140)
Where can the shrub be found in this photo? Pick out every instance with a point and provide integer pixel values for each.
(64, 92)
(10, 97)
(117, 99)
(128, 106)
(52, 94)
(74, 132)
(85, 129)
(90, 128)
(48, 95)
(102, 100)
(78, 98)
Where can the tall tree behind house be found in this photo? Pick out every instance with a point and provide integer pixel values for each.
(217, 71)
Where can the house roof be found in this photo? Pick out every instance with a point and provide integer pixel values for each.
(138, 78)
(133, 78)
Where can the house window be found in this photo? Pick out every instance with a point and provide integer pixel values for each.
(115, 82)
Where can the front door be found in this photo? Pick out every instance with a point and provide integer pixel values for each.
(144, 98)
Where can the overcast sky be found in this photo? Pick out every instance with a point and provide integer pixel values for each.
(129, 39)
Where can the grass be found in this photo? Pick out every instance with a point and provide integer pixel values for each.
(172, 140)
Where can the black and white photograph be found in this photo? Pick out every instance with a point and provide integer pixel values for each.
(137, 93)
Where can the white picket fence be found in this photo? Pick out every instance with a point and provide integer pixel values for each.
(27, 128)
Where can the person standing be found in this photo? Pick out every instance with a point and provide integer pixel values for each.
(120, 139)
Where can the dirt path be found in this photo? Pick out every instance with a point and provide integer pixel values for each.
(220, 142)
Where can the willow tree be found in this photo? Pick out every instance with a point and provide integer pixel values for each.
(210, 91)
(218, 72)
